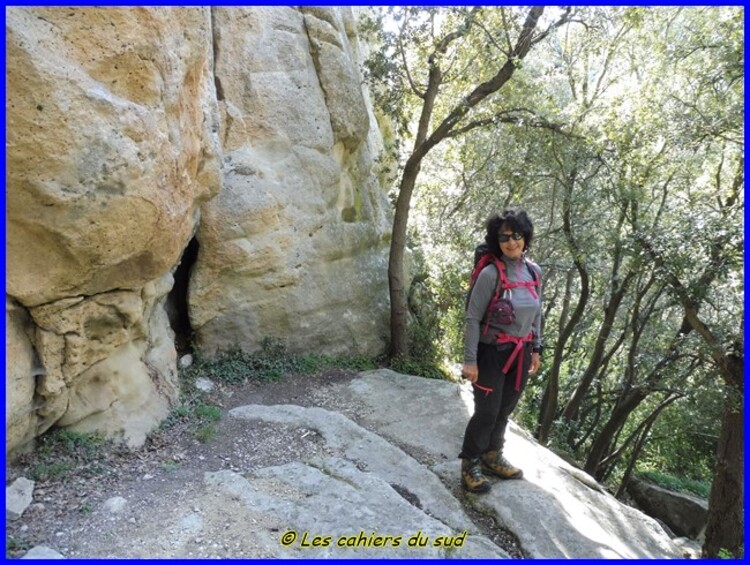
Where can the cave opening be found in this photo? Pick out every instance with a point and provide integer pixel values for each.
(177, 300)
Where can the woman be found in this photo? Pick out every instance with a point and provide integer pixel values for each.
(502, 344)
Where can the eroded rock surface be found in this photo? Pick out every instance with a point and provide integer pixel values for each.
(294, 246)
(134, 133)
(112, 147)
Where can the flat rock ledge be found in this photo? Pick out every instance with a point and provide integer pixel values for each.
(383, 482)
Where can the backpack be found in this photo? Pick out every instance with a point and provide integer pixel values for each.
(500, 310)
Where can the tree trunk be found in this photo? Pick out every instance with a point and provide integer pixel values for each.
(642, 435)
(726, 524)
(549, 405)
(551, 392)
(549, 400)
(422, 146)
(396, 282)
(610, 315)
(725, 527)
(617, 419)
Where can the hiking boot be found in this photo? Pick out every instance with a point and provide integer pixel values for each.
(494, 463)
(472, 478)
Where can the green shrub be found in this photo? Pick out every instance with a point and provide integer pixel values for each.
(60, 451)
(70, 442)
(51, 471)
(208, 412)
(421, 367)
(177, 415)
(271, 363)
(169, 466)
(724, 553)
(677, 484)
(205, 433)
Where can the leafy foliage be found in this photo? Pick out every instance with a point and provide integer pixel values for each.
(677, 484)
(625, 125)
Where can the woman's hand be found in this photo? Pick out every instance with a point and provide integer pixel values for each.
(536, 361)
(470, 372)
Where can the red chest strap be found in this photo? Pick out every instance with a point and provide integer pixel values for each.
(508, 285)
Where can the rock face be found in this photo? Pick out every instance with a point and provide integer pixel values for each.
(684, 514)
(21, 370)
(131, 131)
(294, 244)
(112, 147)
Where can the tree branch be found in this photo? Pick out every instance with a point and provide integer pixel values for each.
(565, 18)
(491, 37)
(401, 50)
(521, 49)
(443, 44)
(507, 35)
(503, 117)
(690, 306)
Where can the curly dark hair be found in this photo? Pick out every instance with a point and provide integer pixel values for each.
(517, 220)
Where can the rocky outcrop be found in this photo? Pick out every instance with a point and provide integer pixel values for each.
(21, 371)
(557, 511)
(294, 244)
(112, 148)
(684, 514)
(133, 133)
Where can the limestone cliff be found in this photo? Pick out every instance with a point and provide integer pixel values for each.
(293, 245)
(134, 134)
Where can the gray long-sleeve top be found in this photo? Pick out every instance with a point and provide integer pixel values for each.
(528, 309)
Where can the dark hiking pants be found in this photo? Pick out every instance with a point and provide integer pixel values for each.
(486, 428)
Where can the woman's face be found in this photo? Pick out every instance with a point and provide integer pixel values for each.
(512, 248)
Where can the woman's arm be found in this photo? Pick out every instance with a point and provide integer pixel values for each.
(475, 311)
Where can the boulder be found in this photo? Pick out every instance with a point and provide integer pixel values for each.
(684, 514)
(110, 362)
(135, 132)
(21, 370)
(111, 149)
(111, 146)
(115, 504)
(332, 509)
(42, 552)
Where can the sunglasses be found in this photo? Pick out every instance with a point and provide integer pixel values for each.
(505, 238)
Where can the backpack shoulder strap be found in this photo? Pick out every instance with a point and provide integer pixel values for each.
(479, 266)
(532, 267)
(488, 259)
(501, 278)
(482, 262)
